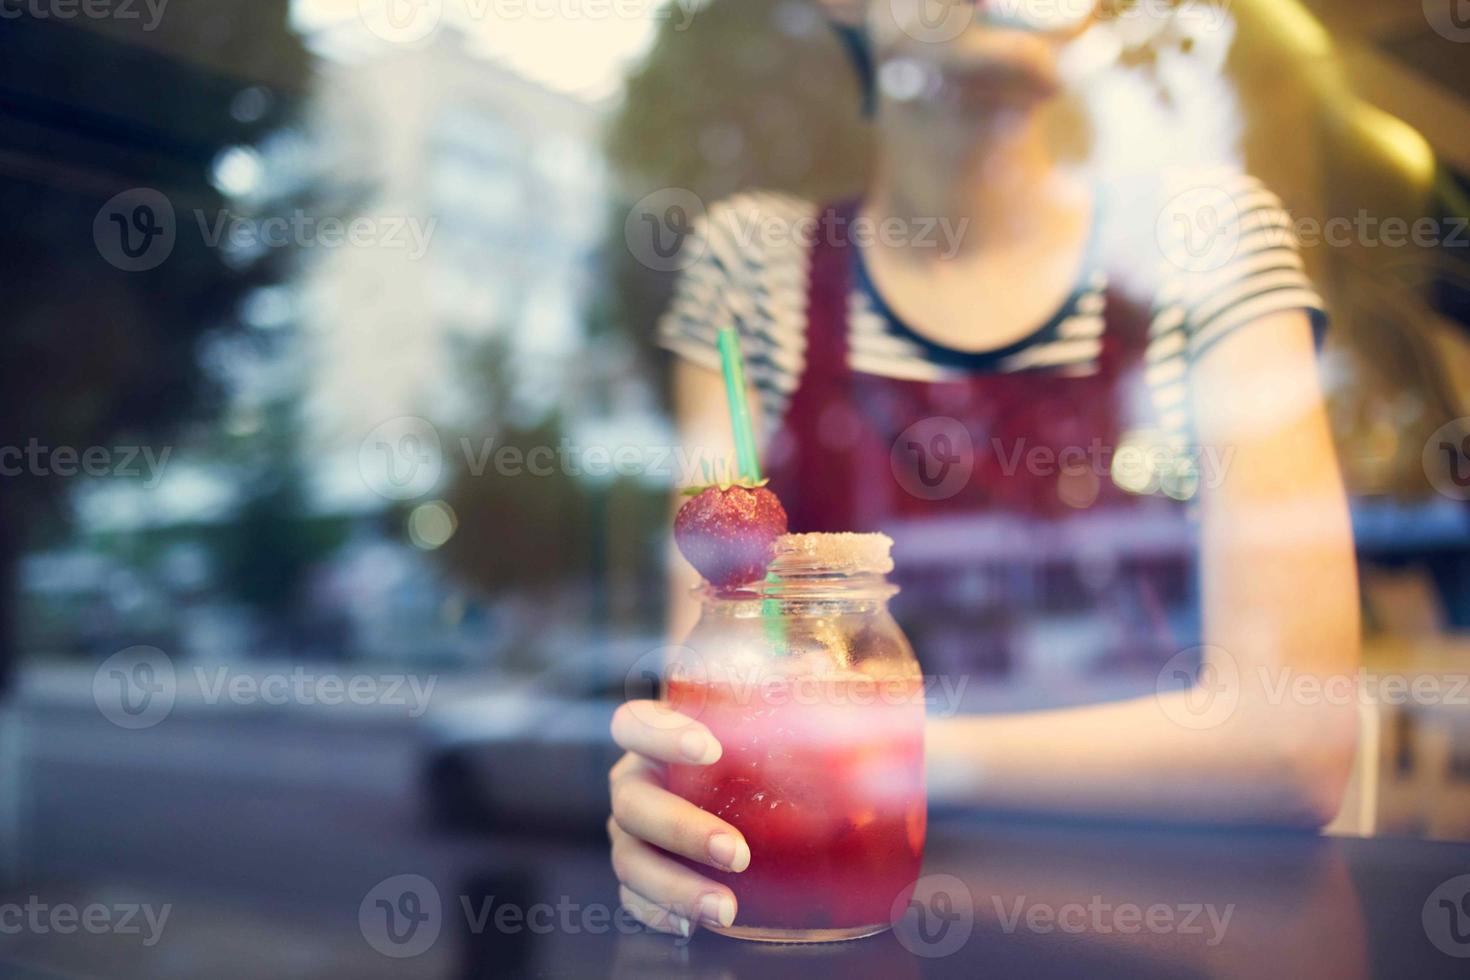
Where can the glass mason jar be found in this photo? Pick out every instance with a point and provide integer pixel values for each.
(817, 699)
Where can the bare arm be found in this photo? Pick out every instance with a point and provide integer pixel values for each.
(1280, 603)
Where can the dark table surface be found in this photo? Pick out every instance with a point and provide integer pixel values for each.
(1014, 900)
(272, 841)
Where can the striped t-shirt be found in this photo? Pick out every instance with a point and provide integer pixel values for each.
(1234, 261)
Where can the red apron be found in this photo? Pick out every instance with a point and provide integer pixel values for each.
(1013, 540)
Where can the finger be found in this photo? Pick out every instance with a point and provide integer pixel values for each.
(646, 810)
(632, 763)
(651, 729)
(652, 914)
(657, 877)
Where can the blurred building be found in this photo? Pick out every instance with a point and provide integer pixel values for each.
(501, 180)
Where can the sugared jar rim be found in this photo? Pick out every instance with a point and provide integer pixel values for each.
(844, 552)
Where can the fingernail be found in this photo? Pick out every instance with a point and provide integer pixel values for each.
(732, 852)
(717, 909)
(681, 925)
(698, 747)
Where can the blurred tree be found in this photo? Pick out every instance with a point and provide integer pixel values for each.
(265, 552)
(749, 94)
(526, 522)
(752, 93)
(95, 355)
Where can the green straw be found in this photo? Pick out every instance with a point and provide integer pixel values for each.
(733, 367)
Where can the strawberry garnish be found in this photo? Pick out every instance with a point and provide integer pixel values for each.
(728, 531)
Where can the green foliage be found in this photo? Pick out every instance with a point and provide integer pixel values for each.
(752, 94)
(521, 530)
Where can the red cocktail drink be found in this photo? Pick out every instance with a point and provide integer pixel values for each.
(823, 775)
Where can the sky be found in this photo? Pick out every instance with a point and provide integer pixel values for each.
(579, 47)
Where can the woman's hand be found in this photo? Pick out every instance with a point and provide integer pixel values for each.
(649, 823)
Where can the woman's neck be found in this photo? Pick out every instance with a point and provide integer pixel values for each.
(992, 171)
(1019, 221)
